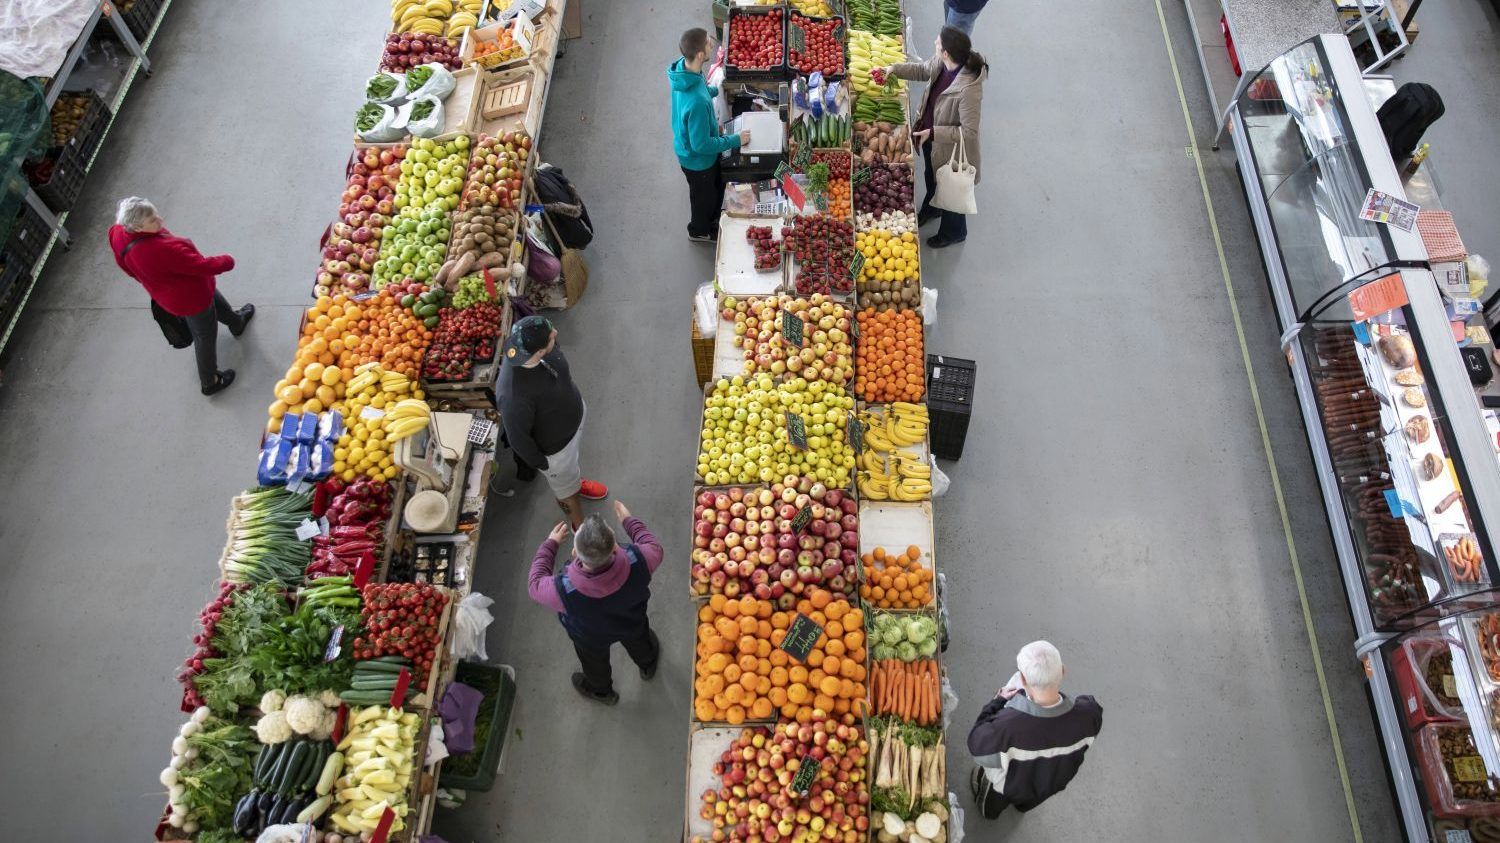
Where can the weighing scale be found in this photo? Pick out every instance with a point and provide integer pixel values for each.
(436, 458)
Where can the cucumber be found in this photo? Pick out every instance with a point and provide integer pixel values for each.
(354, 697)
(291, 774)
(400, 661)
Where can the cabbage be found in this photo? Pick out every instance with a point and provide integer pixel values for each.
(893, 634)
(919, 629)
(882, 651)
(928, 648)
(906, 651)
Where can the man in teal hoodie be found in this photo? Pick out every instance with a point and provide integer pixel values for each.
(695, 134)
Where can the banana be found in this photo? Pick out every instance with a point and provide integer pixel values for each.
(913, 470)
(404, 428)
(908, 407)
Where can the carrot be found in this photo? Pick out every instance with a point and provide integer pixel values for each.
(909, 701)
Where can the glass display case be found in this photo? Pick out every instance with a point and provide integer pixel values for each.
(1405, 463)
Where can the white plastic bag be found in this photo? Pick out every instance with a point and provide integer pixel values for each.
(929, 306)
(426, 127)
(950, 700)
(955, 819)
(440, 84)
(470, 622)
(940, 481)
(287, 833)
(706, 309)
(385, 129)
(436, 749)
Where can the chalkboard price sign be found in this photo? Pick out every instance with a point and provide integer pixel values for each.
(802, 519)
(856, 434)
(797, 39)
(801, 637)
(857, 266)
(796, 431)
(860, 176)
(782, 171)
(793, 329)
(807, 772)
(802, 158)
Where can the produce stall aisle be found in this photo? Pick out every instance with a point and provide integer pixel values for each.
(105, 576)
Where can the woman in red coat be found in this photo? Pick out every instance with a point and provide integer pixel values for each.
(180, 280)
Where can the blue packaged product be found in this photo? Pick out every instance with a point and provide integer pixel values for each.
(330, 426)
(270, 469)
(290, 423)
(298, 465)
(321, 459)
(307, 429)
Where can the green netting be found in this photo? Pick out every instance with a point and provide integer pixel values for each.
(24, 132)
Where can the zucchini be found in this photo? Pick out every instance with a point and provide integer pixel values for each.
(290, 773)
(259, 767)
(320, 754)
(277, 769)
(354, 697)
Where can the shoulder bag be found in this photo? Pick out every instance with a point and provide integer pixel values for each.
(955, 181)
(174, 328)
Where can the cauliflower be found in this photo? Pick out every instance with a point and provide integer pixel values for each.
(325, 726)
(272, 728)
(303, 714)
(329, 699)
(272, 701)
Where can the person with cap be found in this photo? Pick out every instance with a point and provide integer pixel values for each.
(542, 413)
(600, 597)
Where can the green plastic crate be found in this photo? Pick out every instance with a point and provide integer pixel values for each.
(498, 684)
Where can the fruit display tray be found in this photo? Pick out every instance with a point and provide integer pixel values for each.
(734, 266)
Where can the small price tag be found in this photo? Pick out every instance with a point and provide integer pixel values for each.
(802, 519)
(363, 570)
(372, 413)
(398, 693)
(1361, 333)
(856, 266)
(860, 176)
(1469, 768)
(1399, 506)
(383, 828)
(801, 637)
(807, 772)
(307, 529)
(767, 209)
(323, 526)
(334, 647)
(793, 329)
(1457, 835)
(1450, 687)
(340, 719)
(796, 431)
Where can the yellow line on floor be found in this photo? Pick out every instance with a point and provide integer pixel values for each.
(1265, 436)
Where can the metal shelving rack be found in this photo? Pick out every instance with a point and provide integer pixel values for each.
(107, 14)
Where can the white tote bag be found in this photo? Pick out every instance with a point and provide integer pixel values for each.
(955, 181)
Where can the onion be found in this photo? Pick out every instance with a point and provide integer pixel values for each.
(174, 794)
(192, 753)
(168, 777)
(176, 820)
(179, 745)
(177, 762)
(189, 729)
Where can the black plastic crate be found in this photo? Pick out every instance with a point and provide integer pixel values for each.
(950, 402)
(28, 239)
(141, 16)
(774, 73)
(11, 277)
(65, 182)
(476, 771)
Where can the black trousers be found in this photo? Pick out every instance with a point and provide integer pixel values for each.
(992, 803)
(205, 328)
(644, 650)
(706, 198)
(953, 226)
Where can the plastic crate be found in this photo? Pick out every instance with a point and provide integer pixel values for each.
(703, 355)
(28, 239)
(950, 402)
(497, 707)
(775, 73)
(11, 276)
(1420, 703)
(141, 16)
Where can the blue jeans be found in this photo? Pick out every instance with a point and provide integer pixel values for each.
(961, 20)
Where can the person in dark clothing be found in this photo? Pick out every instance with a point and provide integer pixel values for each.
(1030, 740)
(181, 281)
(961, 14)
(955, 87)
(542, 413)
(695, 134)
(601, 597)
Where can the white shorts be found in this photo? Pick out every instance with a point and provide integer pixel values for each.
(562, 471)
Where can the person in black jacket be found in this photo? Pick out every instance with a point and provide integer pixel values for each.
(1030, 740)
(542, 413)
(963, 13)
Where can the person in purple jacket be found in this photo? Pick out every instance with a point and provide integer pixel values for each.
(601, 596)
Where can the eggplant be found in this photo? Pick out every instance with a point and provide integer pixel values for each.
(244, 813)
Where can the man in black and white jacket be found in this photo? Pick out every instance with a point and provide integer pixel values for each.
(1030, 740)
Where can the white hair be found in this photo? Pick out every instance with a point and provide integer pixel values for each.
(134, 212)
(594, 543)
(1041, 665)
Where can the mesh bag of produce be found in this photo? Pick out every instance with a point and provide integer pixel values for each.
(24, 130)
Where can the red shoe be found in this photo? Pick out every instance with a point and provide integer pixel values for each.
(593, 490)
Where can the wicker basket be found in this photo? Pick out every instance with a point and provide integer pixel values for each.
(703, 356)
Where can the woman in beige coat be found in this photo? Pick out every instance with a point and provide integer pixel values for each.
(955, 86)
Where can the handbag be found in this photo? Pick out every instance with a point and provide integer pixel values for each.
(174, 328)
(955, 181)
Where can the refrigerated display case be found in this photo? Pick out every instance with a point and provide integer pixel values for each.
(1409, 481)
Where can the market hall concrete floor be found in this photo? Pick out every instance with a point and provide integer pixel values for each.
(1114, 495)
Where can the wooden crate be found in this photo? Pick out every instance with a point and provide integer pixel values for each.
(703, 355)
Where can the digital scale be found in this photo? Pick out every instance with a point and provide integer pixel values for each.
(436, 458)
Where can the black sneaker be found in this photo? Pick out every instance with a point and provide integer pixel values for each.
(222, 380)
(245, 313)
(704, 238)
(975, 783)
(938, 241)
(606, 699)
